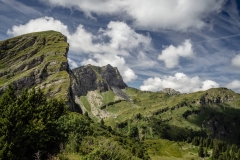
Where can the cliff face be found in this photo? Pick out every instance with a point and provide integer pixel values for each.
(36, 59)
(170, 91)
(40, 60)
(90, 78)
(94, 88)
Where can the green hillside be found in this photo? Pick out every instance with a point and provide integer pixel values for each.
(110, 120)
(210, 114)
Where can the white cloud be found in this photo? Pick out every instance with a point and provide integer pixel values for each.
(179, 82)
(72, 63)
(209, 84)
(234, 85)
(40, 24)
(123, 37)
(171, 54)
(122, 41)
(143, 61)
(236, 61)
(116, 61)
(82, 41)
(171, 14)
(150, 14)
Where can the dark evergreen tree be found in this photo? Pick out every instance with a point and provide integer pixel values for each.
(102, 122)
(28, 124)
(205, 152)
(133, 132)
(196, 141)
(189, 140)
(216, 150)
(238, 154)
(201, 151)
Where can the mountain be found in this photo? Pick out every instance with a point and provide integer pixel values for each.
(36, 59)
(170, 91)
(152, 119)
(94, 87)
(91, 78)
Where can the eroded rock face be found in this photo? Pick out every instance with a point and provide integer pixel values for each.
(36, 59)
(223, 96)
(90, 78)
(170, 91)
(40, 60)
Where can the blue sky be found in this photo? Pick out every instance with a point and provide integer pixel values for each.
(181, 44)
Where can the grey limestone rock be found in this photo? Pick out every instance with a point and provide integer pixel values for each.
(170, 91)
(90, 78)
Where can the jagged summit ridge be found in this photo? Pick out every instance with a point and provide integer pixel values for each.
(90, 78)
(170, 91)
(40, 60)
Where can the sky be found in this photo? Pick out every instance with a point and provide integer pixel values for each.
(187, 45)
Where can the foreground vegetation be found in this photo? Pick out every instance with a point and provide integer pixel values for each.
(33, 126)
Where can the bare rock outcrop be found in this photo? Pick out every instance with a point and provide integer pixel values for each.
(90, 78)
(170, 91)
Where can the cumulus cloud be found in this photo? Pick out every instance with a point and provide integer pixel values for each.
(171, 54)
(82, 41)
(72, 63)
(171, 14)
(151, 14)
(122, 42)
(234, 85)
(124, 37)
(236, 60)
(179, 82)
(39, 24)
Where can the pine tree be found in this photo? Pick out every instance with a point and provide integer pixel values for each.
(201, 151)
(238, 154)
(102, 122)
(189, 140)
(28, 124)
(205, 152)
(216, 150)
(133, 132)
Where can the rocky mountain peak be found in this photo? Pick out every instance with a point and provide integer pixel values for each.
(90, 78)
(170, 91)
(36, 59)
(40, 60)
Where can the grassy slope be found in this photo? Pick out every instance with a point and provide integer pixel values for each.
(150, 105)
(100, 143)
(168, 150)
(23, 51)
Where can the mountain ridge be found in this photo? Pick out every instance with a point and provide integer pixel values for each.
(36, 59)
(40, 60)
